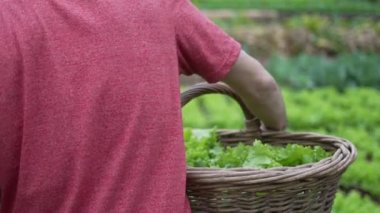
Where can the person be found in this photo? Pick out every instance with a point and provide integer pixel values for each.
(90, 117)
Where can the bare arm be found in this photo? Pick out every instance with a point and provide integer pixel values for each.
(259, 91)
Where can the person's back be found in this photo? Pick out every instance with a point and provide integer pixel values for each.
(90, 117)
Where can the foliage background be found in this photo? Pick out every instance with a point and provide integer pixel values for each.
(325, 55)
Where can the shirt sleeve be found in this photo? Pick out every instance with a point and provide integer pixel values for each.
(203, 48)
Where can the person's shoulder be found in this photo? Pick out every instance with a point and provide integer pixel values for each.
(18, 17)
(174, 4)
(10, 13)
(4, 23)
(3, 3)
(8, 5)
(164, 8)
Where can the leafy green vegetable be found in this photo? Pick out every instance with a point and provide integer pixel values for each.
(345, 71)
(207, 152)
(354, 202)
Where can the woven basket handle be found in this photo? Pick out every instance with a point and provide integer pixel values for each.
(252, 122)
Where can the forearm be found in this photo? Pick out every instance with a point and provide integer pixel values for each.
(259, 91)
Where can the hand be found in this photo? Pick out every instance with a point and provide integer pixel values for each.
(264, 128)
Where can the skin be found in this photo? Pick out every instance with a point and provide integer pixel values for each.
(259, 91)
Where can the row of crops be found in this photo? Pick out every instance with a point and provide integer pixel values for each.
(304, 34)
(346, 70)
(352, 6)
(350, 114)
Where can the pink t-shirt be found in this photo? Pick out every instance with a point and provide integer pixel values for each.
(90, 117)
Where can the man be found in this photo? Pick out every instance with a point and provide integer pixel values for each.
(90, 117)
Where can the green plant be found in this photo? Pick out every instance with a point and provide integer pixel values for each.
(311, 71)
(206, 151)
(354, 202)
(327, 6)
(311, 34)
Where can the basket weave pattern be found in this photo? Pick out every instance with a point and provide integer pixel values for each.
(304, 188)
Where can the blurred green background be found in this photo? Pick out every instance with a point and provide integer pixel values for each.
(325, 55)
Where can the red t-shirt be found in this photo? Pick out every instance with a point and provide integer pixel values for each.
(90, 117)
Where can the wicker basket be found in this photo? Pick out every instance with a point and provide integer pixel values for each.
(305, 188)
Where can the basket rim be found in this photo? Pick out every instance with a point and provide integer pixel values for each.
(343, 156)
